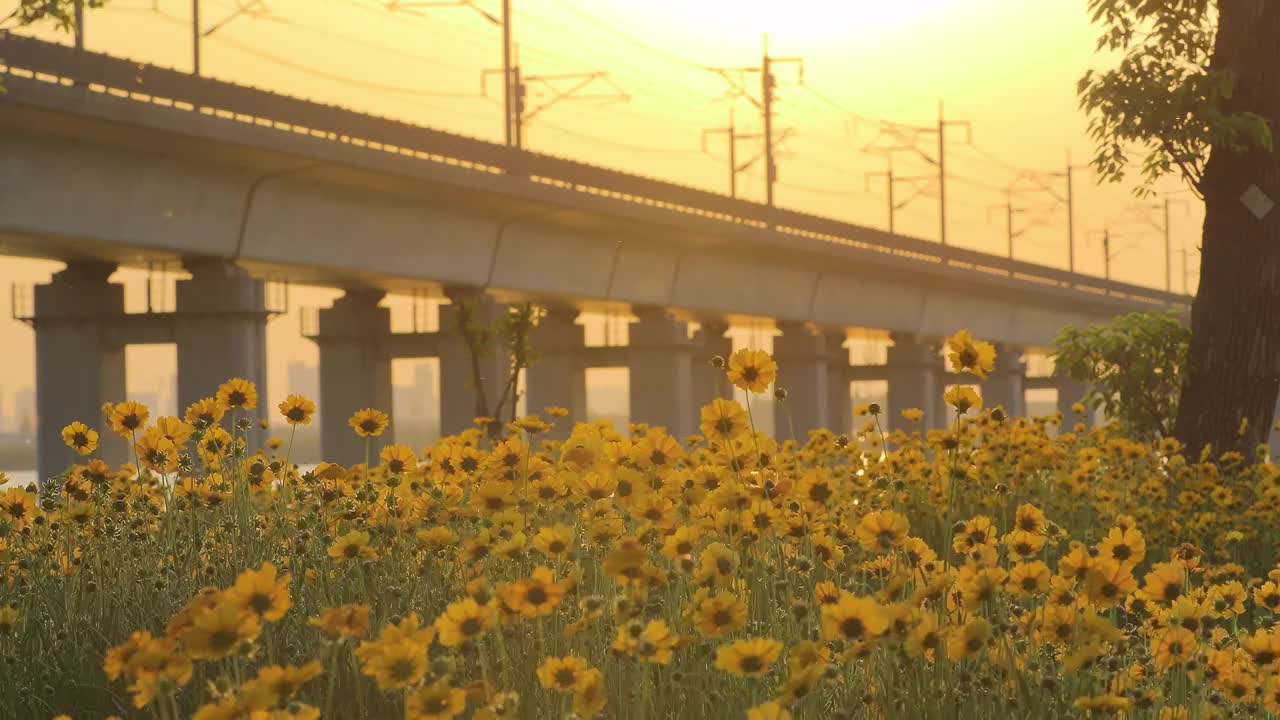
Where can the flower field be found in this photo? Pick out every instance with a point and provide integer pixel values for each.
(1004, 567)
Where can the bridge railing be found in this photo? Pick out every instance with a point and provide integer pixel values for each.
(28, 57)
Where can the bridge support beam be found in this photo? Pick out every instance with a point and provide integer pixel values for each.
(220, 328)
(355, 372)
(840, 402)
(458, 407)
(1005, 385)
(1069, 392)
(559, 377)
(79, 366)
(914, 372)
(805, 357)
(660, 359)
(709, 342)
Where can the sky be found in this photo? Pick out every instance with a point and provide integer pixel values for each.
(1007, 67)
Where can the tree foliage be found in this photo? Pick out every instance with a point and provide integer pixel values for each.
(1133, 368)
(1164, 100)
(61, 12)
(513, 332)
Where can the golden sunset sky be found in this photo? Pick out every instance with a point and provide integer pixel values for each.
(1007, 66)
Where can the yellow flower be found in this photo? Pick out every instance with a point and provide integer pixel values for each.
(18, 507)
(238, 393)
(8, 619)
(882, 530)
(282, 682)
(437, 701)
(538, 594)
(352, 546)
(963, 398)
(720, 614)
(394, 664)
(772, 710)
(724, 421)
(215, 632)
(554, 541)
(80, 437)
(262, 592)
(969, 355)
(1173, 646)
(398, 459)
(297, 410)
(590, 699)
(128, 417)
(531, 424)
(1165, 582)
(853, 619)
(369, 422)
(913, 415)
(464, 620)
(750, 657)
(968, 639)
(344, 620)
(206, 410)
(562, 673)
(752, 370)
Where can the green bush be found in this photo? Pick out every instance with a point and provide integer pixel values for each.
(1133, 368)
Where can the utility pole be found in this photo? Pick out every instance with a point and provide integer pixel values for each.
(734, 137)
(889, 182)
(766, 95)
(79, 19)
(1009, 212)
(1071, 217)
(892, 181)
(1166, 228)
(1106, 253)
(941, 162)
(195, 37)
(510, 85)
(768, 85)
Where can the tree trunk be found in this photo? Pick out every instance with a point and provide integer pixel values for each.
(1233, 369)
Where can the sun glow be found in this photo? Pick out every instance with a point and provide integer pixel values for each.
(811, 20)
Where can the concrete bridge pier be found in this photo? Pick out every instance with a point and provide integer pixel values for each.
(458, 407)
(559, 377)
(220, 328)
(839, 402)
(355, 372)
(1069, 392)
(79, 361)
(660, 360)
(710, 341)
(914, 372)
(804, 357)
(1005, 385)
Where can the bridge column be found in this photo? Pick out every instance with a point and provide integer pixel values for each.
(355, 372)
(78, 364)
(457, 385)
(839, 404)
(1005, 385)
(1069, 392)
(660, 359)
(709, 341)
(914, 372)
(803, 354)
(559, 377)
(220, 328)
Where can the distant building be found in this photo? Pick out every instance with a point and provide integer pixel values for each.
(417, 402)
(304, 380)
(24, 412)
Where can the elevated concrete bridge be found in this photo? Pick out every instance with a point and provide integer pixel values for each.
(106, 161)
